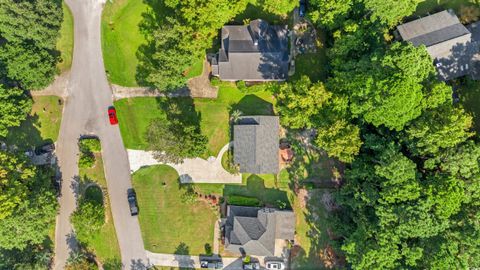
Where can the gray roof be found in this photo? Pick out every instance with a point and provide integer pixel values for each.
(448, 42)
(255, 144)
(254, 52)
(253, 230)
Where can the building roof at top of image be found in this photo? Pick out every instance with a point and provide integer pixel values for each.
(254, 52)
(448, 42)
(256, 144)
(253, 230)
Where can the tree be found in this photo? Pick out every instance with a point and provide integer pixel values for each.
(388, 87)
(340, 139)
(279, 7)
(329, 13)
(88, 217)
(176, 40)
(460, 161)
(299, 103)
(14, 108)
(33, 217)
(173, 141)
(15, 178)
(390, 12)
(30, 30)
(440, 128)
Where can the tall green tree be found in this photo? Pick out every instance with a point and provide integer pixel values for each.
(279, 7)
(390, 12)
(14, 108)
(437, 129)
(329, 13)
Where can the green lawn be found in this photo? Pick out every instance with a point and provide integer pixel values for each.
(42, 125)
(195, 70)
(103, 244)
(121, 39)
(135, 115)
(65, 42)
(432, 6)
(169, 225)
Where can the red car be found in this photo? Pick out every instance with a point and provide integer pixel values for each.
(112, 115)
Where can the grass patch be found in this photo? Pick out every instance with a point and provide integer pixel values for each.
(103, 244)
(121, 39)
(433, 6)
(312, 65)
(135, 115)
(169, 225)
(195, 70)
(41, 126)
(65, 42)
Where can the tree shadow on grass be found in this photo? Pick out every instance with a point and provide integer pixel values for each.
(26, 136)
(253, 105)
(255, 187)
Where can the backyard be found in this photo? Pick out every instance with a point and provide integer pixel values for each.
(136, 114)
(42, 125)
(166, 221)
(104, 243)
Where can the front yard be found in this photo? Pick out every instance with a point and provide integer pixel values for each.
(42, 125)
(167, 222)
(135, 115)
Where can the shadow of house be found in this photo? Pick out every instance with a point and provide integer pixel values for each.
(453, 47)
(254, 52)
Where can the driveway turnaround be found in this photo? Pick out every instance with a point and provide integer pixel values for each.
(85, 112)
(192, 170)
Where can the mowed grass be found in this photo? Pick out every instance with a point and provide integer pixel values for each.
(42, 125)
(121, 39)
(135, 115)
(166, 222)
(65, 41)
(103, 244)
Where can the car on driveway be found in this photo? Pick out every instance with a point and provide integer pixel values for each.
(274, 265)
(132, 201)
(112, 115)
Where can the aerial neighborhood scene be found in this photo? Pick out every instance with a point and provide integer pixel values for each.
(239, 134)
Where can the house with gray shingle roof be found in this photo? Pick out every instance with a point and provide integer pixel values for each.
(254, 52)
(256, 144)
(450, 44)
(258, 231)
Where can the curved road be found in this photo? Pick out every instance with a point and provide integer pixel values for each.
(85, 112)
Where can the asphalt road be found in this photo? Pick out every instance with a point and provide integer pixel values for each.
(85, 113)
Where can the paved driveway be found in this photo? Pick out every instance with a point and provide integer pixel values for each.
(192, 170)
(85, 112)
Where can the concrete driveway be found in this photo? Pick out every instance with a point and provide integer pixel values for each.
(192, 170)
(85, 112)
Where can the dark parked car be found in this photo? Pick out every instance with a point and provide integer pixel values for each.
(303, 8)
(132, 201)
(46, 148)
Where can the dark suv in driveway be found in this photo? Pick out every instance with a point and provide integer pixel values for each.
(132, 201)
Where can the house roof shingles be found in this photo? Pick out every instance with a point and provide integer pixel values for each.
(255, 144)
(448, 42)
(254, 52)
(253, 230)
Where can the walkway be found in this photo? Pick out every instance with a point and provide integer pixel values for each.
(195, 170)
(197, 87)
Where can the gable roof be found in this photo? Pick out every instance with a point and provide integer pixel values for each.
(433, 29)
(254, 52)
(253, 230)
(448, 42)
(255, 144)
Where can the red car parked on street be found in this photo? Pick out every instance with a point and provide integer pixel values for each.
(112, 115)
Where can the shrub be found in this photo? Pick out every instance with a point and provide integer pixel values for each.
(86, 160)
(189, 196)
(88, 217)
(228, 164)
(90, 145)
(243, 201)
